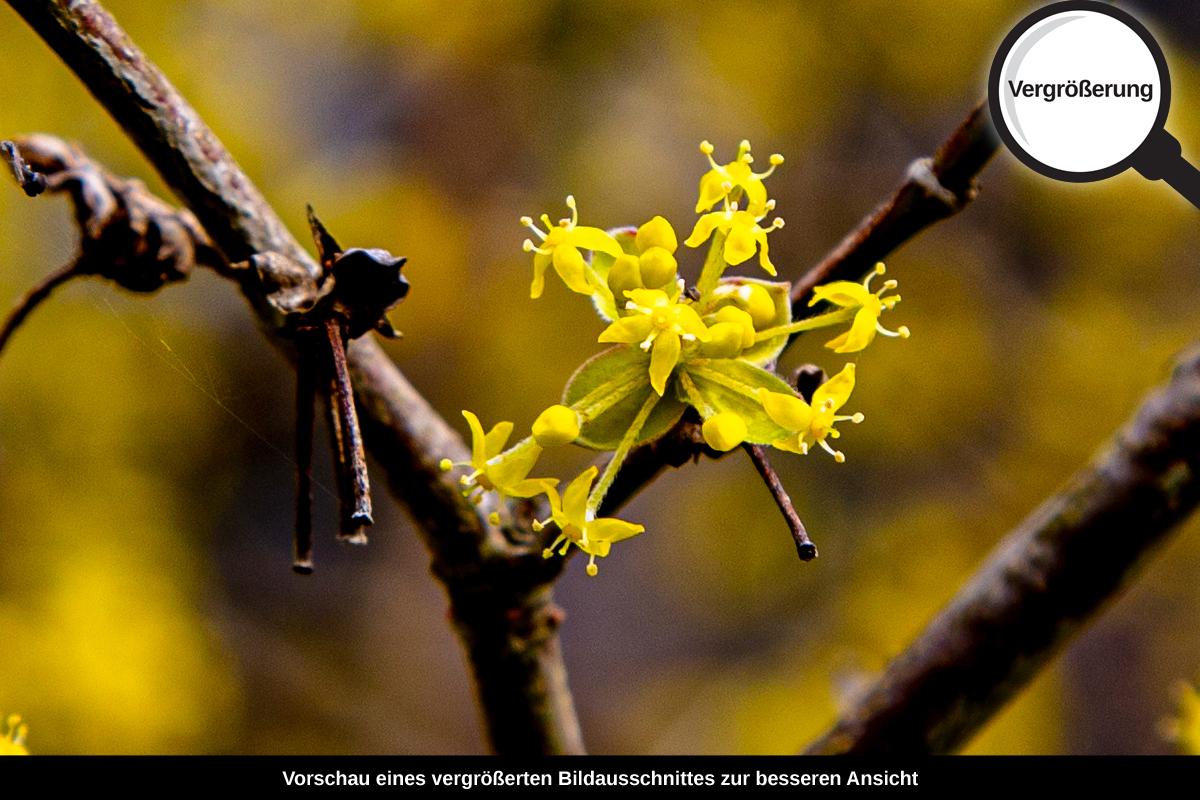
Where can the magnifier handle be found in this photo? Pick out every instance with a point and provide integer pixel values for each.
(1161, 158)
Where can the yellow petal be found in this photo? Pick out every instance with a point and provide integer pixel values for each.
(842, 293)
(663, 359)
(756, 195)
(510, 470)
(496, 439)
(570, 267)
(739, 173)
(861, 333)
(593, 239)
(541, 262)
(575, 497)
(478, 449)
(687, 318)
(648, 298)
(786, 410)
(556, 510)
(628, 330)
(533, 487)
(764, 259)
(712, 189)
(790, 444)
(704, 228)
(598, 548)
(739, 245)
(837, 388)
(605, 531)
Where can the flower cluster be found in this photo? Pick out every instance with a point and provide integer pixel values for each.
(710, 346)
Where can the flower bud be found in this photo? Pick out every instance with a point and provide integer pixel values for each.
(657, 267)
(555, 426)
(760, 306)
(624, 274)
(724, 431)
(656, 233)
(745, 321)
(726, 342)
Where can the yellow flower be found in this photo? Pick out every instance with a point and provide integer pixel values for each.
(560, 246)
(718, 182)
(13, 743)
(811, 424)
(657, 321)
(506, 474)
(593, 536)
(743, 234)
(848, 294)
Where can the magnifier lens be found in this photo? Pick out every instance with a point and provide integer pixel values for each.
(1081, 91)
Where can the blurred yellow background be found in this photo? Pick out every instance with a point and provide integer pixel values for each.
(146, 601)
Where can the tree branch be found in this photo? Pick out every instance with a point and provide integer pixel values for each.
(1057, 569)
(503, 611)
(933, 189)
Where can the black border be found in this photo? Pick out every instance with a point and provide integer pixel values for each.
(1007, 45)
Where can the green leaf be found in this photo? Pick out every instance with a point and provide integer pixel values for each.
(617, 382)
(728, 294)
(731, 384)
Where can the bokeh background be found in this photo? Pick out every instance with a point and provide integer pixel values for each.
(146, 601)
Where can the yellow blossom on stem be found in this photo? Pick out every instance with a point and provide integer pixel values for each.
(593, 536)
(811, 424)
(13, 742)
(868, 307)
(722, 179)
(495, 471)
(560, 246)
(743, 234)
(660, 323)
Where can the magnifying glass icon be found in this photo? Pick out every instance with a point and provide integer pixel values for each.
(1079, 91)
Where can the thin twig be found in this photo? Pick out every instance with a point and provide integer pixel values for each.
(356, 503)
(505, 615)
(804, 546)
(1040, 585)
(34, 297)
(933, 189)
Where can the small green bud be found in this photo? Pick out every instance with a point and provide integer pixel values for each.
(657, 233)
(658, 267)
(625, 274)
(557, 425)
(724, 431)
(726, 342)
